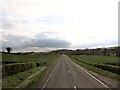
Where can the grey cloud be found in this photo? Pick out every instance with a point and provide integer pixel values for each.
(41, 41)
(48, 42)
(7, 25)
(13, 41)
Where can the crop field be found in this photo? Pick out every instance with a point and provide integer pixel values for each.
(97, 59)
(11, 58)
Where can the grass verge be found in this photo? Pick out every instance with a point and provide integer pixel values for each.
(35, 81)
(17, 79)
(97, 70)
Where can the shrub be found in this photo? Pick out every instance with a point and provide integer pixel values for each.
(38, 64)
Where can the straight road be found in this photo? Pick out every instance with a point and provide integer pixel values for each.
(67, 74)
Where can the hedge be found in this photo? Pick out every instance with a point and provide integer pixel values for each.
(11, 69)
(111, 68)
(114, 69)
(115, 64)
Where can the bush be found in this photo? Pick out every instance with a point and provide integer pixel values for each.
(11, 69)
(38, 64)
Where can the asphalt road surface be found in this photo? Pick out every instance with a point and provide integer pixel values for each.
(67, 74)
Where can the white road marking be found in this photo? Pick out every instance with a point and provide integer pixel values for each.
(92, 76)
(28, 79)
(69, 71)
(70, 75)
(75, 88)
(44, 86)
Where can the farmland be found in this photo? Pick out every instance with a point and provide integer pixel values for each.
(12, 63)
(9, 58)
(105, 65)
(34, 63)
(97, 59)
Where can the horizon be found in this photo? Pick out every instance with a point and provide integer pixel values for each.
(5, 51)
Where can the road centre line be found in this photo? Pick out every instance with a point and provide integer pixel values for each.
(48, 79)
(75, 88)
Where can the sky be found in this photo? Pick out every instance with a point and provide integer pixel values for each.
(44, 25)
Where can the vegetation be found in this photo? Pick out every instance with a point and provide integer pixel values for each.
(11, 69)
(18, 67)
(98, 70)
(17, 79)
(36, 57)
(9, 49)
(110, 51)
(99, 64)
(97, 59)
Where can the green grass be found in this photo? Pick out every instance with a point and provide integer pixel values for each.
(35, 81)
(28, 58)
(16, 80)
(97, 70)
(97, 59)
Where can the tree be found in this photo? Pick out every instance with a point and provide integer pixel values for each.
(9, 49)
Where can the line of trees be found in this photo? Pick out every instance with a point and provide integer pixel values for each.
(113, 51)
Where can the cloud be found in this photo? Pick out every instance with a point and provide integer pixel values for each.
(7, 25)
(98, 43)
(48, 42)
(41, 41)
(78, 23)
(7, 20)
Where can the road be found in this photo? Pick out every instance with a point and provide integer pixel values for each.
(67, 74)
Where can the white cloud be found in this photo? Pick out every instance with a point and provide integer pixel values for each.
(77, 21)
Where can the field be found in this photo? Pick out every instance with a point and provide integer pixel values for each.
(105, 65)
(97, 59)
(12, 58)
(17, 79)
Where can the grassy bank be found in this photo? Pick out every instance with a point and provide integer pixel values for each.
(97, 59)
(22, 79)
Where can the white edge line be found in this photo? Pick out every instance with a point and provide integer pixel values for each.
(27, 80)
(91, 75)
